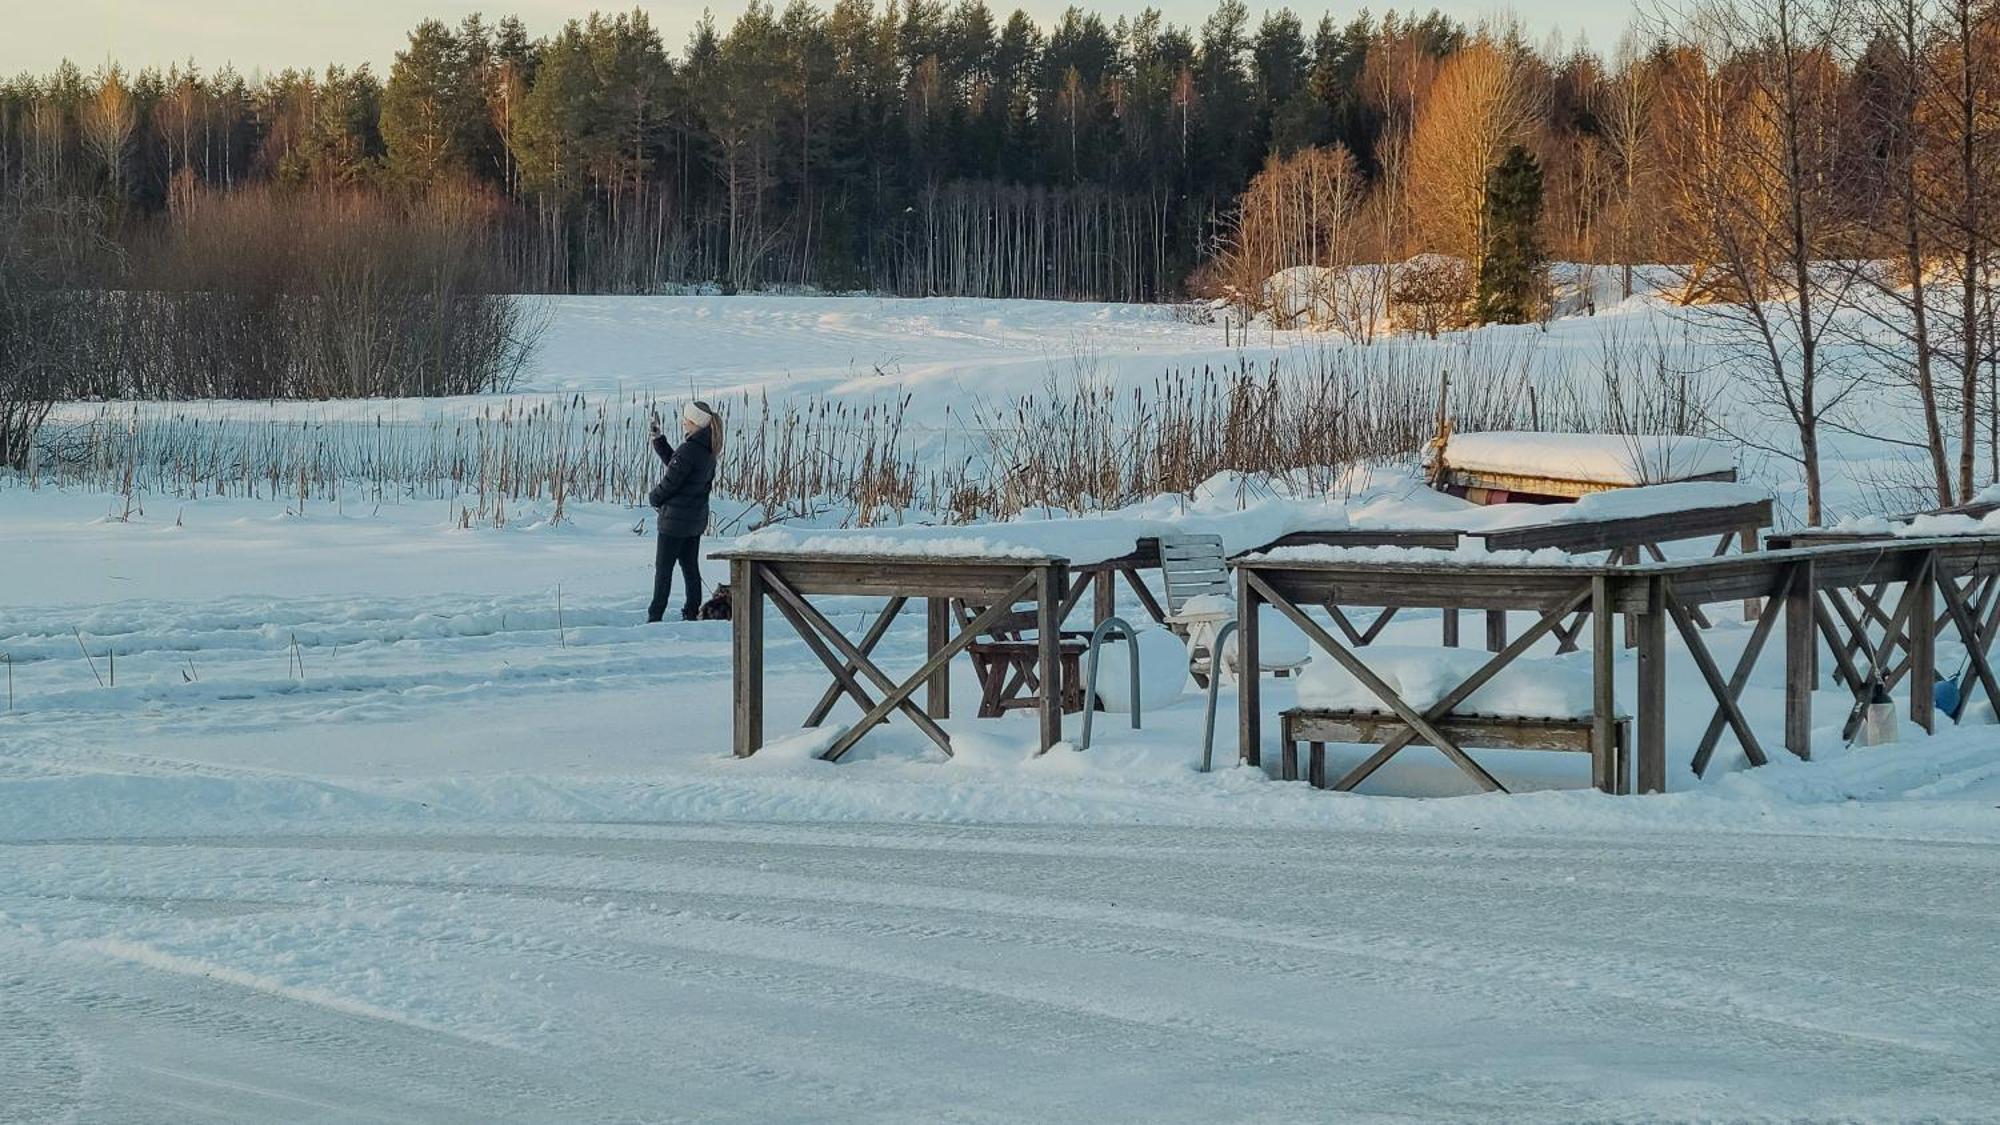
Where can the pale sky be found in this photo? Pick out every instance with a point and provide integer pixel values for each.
(269, 35)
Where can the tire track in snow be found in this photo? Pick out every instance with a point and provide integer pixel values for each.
(738, 927)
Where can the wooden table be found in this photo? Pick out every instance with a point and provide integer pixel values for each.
(1811, 585)
(789, 580)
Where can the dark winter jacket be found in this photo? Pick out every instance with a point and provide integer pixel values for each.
(681, 497)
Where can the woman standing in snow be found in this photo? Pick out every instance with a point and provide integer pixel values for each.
(681, 498)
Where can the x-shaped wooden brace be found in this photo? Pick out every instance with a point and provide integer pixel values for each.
(1729, 693)
(1361, 637)
(1419, 726)
(869, 640)
(1568, 632)
(1145, 594)
(819, 633)
(1894, 633)
(1975, 639)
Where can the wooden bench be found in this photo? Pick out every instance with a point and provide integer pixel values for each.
(1609, 768)
(1006, 658)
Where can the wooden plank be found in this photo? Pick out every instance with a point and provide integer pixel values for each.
(1580, 536)
(843, 677)
(1451, 628)
(868, 642)
(1254, 581)
(1438, 539)
(807, 619)
(1603, 684)
(1567, 635)
(1450, 700)
(1375, 627)
(1341, 622)
(746, 631)
(1373, 583)
(1745, 665)
(1144, 594)
(1050, 582)
(1799, 655)
(939, 659)
(937, 633)
(1536, 485)
(977, 582)
(879, 559)
(1975, 644)
(1652, 718)
(1249, 688)
(1894, 628)
(1693, 611)
(1752, 607)
(1841, 646)
(1704, 662)
(1496, 630)
(1497, 732)
(1078, 585)
(1104, 597)
(1921, 597)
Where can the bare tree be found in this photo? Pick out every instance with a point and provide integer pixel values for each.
(108, 123)
(1627, 116)
(1895, 326)
(1480, 103)
(1960, 108)
(1768, 186)
(1300, 210)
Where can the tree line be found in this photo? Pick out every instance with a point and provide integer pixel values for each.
(914, 147)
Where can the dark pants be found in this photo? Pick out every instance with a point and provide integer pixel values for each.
(684, 550)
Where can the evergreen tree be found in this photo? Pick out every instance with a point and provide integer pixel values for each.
(433, 111)
(1513, 281)
(1279, 66)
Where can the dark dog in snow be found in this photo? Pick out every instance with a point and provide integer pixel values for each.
(716, 608)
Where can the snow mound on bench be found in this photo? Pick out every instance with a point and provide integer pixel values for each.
(1548, 687)
(1619, 459)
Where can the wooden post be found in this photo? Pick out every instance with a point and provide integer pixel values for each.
(1605, 773)
(1923, 644)
(1104, 596)
(1652, 637)
(746, 620)
(937, 634)
(1801, 654)
(1451, 628)
(1752, 607)
(1624, 556)
(1496, 630)
(1051, 581)
(1249, 704)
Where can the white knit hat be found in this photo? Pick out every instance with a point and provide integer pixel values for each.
(696, 416)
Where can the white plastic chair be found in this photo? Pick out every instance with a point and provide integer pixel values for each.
(1195, 570)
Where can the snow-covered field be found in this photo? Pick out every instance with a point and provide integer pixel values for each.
(383, 819)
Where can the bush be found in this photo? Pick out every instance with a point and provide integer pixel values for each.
(274, 294)
(1430, 293)
(46, 331)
